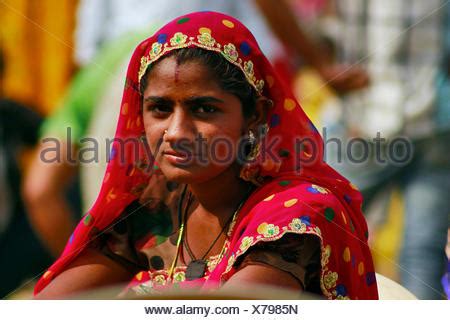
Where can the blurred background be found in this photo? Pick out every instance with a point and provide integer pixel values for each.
(362, 70)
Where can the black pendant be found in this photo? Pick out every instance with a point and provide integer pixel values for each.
(195, 269)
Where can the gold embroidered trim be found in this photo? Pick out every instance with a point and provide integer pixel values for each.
(328, 278)
(205, 41)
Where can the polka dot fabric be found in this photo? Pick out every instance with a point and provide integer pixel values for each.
(301, 194)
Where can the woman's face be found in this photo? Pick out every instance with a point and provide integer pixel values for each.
(193, 127)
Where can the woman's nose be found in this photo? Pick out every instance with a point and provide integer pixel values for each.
(180, 127)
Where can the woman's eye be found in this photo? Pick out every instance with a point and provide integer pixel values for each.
(204, 109)
(159, 109)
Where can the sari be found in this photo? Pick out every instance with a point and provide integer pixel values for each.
(297, 193)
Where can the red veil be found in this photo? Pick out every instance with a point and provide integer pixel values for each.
(299, 193)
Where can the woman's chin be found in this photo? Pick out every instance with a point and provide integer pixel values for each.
(181, 175)
(188, 174)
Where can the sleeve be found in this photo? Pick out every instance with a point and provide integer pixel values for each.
(297, 255)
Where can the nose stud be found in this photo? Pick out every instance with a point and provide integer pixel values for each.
(165, 132)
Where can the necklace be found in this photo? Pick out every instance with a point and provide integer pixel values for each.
(196, 268)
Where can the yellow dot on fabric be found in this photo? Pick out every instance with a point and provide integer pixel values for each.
(289, 104)
(270, 81)
(47, 274)
(290, 203)
(346, 254)
(228, 23)
(269, 198)
(262, 227)
(361, 268)
(353, 186)
(139, 276)
(138, 121)
(107, 176)
(111, 195)
(204, 30)
(268, 165)
(343, 217)
(125, 109)
(306, 154)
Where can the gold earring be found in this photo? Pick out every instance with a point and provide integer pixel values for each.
(254, 146)
(251, 137)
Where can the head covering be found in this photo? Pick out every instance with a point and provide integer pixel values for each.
(299, 193)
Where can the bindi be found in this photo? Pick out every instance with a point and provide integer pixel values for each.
(177, 72)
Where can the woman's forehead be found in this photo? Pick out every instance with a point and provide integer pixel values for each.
(189, 74)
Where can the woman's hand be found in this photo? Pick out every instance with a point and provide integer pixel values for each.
(344, 78)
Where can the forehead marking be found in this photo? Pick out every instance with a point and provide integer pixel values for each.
(177, 72)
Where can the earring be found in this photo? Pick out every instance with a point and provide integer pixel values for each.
(250, 171)
(251, 137)
(254, 146)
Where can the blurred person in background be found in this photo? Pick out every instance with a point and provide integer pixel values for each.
(21, 253)
(401, 45)
(442, 118)
(57, 161)
(446, 277)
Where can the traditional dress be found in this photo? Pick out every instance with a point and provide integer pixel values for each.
(299, 204)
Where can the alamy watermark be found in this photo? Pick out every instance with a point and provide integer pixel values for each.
(221, 150)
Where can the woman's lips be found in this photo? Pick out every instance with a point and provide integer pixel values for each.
(177, 157)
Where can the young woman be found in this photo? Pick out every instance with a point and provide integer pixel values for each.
(227, 185)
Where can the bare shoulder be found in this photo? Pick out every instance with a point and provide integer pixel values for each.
(89, 270)
(265, 275)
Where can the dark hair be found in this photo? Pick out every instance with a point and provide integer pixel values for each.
(231, 79)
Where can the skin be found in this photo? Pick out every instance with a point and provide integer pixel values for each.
(44, 195)
(182, 102)
(169, 104)
(281, 19)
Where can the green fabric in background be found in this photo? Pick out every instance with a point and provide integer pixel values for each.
(87, 87)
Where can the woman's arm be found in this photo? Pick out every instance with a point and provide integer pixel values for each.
(44, 195)
(263, 274)
(292, 262)
(88, 271)
(283, 22)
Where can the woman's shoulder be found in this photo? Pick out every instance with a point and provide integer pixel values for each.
(287, 208)
(287, 201)
(294, 208)
(297, 189)
(301, 214)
